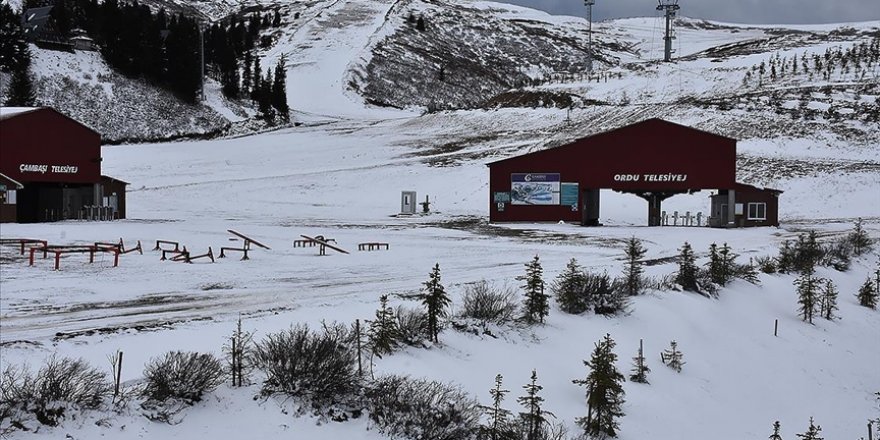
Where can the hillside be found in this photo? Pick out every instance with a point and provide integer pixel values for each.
(361, 81)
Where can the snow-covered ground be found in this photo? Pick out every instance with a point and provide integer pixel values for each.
(340, 175)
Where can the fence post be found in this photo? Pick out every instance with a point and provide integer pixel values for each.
(775, 326)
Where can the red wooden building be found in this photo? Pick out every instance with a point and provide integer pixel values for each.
(57, 163)
(653, 159)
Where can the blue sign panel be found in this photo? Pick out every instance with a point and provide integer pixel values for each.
(568, 194)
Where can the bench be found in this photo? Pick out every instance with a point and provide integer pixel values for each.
(58, 250)
(24, 241)
(371, 246)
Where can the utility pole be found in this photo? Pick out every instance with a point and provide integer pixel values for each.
(202, 64)
(669, 7)
(589, 4)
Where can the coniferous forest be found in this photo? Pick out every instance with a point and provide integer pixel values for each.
(164, 48)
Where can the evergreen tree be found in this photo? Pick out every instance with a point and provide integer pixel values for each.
(605, 392)
(13, 49)
(672, 357)
(247, 75)
(21, 90)
(61, 18)
(859, 238)
(435, 301)
(279, 89)
(828, 301)
(633, 270)
(812, 432)
(534, 418)
(775, 435)
(383, 334)
(420, 24)
(687, 269)
(264, 98)
(608, 297)
(808, 295)
(536, 305)
(276, 21)
(868, 295)
(498, 416)
(257, 81)
(640, 368)
(568, 288)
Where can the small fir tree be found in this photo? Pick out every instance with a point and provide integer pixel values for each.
(279, 89)
(420, 23)
(568, 288)
(238, 354)
(383, 334)
(640, 368)
(435, 301)
(633, 270)
(672, 357)
(607, 295)
(828, 301)
(859, 238)
(536, 305)
(687, 269)
(498, 416)
(605, 392)
(715, 265)
(534, 418)
(812, 432)
(868, 295)
(808, 295)
(775, 435)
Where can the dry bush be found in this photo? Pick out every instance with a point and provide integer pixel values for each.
(320, 365)
(412, 326)
(488, 304)
(421, 409)
(186, 376)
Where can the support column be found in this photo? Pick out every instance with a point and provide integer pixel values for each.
(731, 208)
(590, 211)
(654, 201)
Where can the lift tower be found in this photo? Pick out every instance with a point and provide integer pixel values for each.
(589, 4)
(670, 7)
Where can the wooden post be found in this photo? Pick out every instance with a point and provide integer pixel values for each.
(357, 331)
(118, 373)
(57, 260)
(234, 357)
(31, 259)
(775, 326)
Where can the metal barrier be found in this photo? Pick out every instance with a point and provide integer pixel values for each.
(97, 213)
(687, 219)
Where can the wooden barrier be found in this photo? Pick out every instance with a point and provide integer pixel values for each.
(185, 256)
(22, 242)
(323, 245)
(312, 243)
(161, 242)
(372, 246)
(58, 250)
(245, 248)
(174, 253)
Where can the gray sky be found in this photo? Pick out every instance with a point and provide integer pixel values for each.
(742, 11)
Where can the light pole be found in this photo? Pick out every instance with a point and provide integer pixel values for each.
(589, 4)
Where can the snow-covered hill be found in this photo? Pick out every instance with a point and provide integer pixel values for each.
(340, 174)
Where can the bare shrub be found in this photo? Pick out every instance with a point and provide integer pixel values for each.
(60, 384)
(186, 376)
(766, 264)
(488, 304)
(412, 326)
(320, 365)
(421, 409)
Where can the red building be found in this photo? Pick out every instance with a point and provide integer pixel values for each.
(57, 163)
(653, 159)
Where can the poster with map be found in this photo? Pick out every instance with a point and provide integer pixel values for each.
(534, 188)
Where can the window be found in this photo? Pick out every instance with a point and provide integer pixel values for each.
(757, 211)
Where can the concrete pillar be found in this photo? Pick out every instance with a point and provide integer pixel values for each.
(654, 201)
(590, 213)
(731, 208)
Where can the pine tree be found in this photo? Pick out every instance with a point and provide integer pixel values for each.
(498, 416)
(868, 295)
(812, 432)
(21, 90)
(568, 288)
(276, 20)
(258, 78)
(672, 357)
(534, 418)
(775, 435)
(640, 368)
(808, 295)
(247, 75)
(633, 270)
(859, 238)
(605, 392)
(279, 89)
(536, 304)
(687, 269)
(383, 334)
(420, 24)
(435, 301)
(13, 48)
(828, 301)
(728, 264)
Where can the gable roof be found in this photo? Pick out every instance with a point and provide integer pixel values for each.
(8, 112)
(652, 122)
(6, 179)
